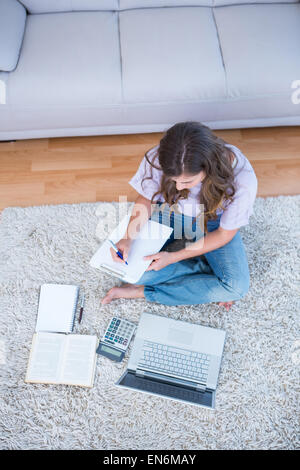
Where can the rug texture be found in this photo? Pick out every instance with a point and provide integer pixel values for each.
(257, 400)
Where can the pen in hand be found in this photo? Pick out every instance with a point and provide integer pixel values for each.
(81, 308)
(117, 251)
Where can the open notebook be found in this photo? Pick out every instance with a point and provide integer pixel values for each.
(150, 240)
(57, 357)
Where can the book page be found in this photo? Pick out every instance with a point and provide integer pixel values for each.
(45, 358)
(79, 360)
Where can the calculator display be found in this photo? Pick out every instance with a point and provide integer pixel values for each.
(111, 350)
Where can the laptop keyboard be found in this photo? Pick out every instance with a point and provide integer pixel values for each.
(175, 361)
(205, 398)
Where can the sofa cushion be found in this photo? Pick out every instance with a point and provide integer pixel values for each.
(239, 2)
(170, 54)
(51, 6)
(127, 4)
(12, 27)
(68, 59)
(260, 46)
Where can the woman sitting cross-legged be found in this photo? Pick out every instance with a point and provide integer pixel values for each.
(206, 188)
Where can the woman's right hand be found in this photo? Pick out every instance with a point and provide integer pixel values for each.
(123, 246)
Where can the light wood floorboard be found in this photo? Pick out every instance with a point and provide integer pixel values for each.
(98, 168)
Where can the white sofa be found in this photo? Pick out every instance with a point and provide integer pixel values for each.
(91, 67)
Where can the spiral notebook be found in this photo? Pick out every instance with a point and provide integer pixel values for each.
(57, 308)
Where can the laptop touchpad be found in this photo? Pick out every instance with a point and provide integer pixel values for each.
(180, 336)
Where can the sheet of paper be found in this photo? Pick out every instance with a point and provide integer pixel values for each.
(151, 238)
(56, 308)
(79, 360)
(45, 359)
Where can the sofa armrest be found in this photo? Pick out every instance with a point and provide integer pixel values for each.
(12, 27)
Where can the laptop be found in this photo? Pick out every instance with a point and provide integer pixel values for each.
(175, 359)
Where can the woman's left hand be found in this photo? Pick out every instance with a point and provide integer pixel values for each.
(159, 260)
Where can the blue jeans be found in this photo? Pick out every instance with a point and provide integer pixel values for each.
(220, 275)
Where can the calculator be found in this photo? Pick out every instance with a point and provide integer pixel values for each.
(116, 339)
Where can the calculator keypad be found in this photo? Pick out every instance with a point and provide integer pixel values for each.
(119, 332)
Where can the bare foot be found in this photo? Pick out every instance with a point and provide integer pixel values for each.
(128, 291)
(227, 305)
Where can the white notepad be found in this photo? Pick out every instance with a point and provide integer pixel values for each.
(57, 308)
(150, 240)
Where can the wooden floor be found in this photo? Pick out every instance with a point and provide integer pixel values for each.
(98, 168)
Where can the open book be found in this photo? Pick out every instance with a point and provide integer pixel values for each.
(150, 240)
(62, 359)
(57, 357)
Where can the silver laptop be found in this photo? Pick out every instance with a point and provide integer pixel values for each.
(175, 359)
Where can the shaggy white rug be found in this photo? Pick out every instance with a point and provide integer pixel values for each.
(257, 402)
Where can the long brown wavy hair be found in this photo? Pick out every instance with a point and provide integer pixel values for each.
(189, 148)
